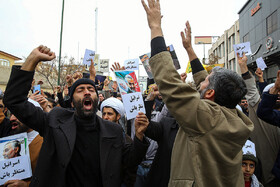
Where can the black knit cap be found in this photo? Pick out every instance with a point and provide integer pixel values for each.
(250, 157)
(81, 81)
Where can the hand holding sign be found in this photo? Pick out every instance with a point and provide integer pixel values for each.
(242, 48)
(260, 63)
(89, 55)
(141, 124)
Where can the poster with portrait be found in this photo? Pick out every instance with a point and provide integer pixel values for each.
(14, 158)
(145, 61)
(176, 63)
(130, 92)
(89, 55)
(131, 64)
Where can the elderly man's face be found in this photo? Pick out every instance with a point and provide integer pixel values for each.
(9, 151)
(131, 86)
(85, 100)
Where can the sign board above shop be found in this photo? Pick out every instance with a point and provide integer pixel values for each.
(256, 9)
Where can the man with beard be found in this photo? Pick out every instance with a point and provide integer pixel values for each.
(80, 149)
(208, 147)
(35, 142)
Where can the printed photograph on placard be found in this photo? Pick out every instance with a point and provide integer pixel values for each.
(14, 158)
(145, 61)
(127, 82)
(176, 63)
(11, 148)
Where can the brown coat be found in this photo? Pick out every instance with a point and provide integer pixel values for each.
(208, 147)
(34, 150)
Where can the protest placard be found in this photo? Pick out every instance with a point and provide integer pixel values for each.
(176, 63)
(15, 159)
(104, 65)
(145, 61)
(242, 48)
(260, 63)
(89, 54)
(131, 64)
(130, 92)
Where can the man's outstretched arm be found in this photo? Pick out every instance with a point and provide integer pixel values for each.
(19, 85)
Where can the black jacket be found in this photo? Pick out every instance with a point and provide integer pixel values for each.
(164, 134)
(58, 128)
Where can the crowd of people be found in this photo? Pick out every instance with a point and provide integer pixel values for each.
(222, 130)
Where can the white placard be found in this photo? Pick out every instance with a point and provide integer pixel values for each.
(15, 160)
(131, 64)
(242, 47)
(89, 54)
(133, 103)
(104, 65)
(260, 63)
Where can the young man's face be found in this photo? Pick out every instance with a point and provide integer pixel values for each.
(85, 100)
(110, 115)
(101, 98)
(248, 168)
(17, 126)
(244, 103)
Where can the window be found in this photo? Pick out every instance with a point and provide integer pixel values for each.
(233, 39)
(246, 38)
(223, 47)
(4, 62)
(234, 65)
(271, 23)
(229, 44)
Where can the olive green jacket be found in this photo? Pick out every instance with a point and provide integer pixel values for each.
(208, 147)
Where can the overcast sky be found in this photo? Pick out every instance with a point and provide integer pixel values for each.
(123, 31)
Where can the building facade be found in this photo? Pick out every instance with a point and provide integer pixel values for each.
(222, 49)
(259, 22)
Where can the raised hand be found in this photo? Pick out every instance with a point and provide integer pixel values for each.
(117, 67)
(154, 17)
(187, 36)
(69, 80)
(242, 61)
(259, 74)
(65, 90)
(92, 71)
(141, 124)
(41, 53)
(77, 75)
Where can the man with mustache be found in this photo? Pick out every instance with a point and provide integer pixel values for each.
(80, 149)
(35, 142)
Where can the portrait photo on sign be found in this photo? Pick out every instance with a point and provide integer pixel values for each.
(12, 148)
(14, 158)
(127, 82)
